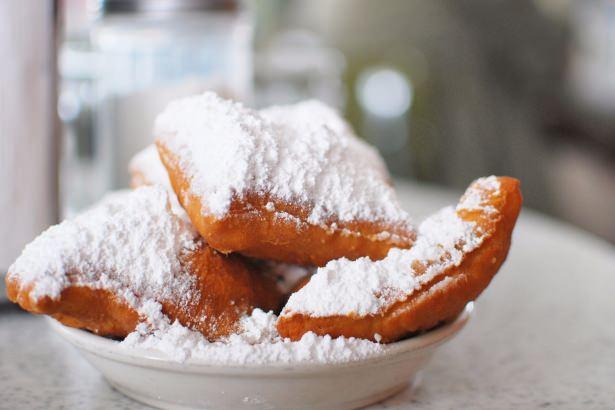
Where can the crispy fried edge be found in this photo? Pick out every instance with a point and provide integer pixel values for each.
(430, 306)
(98, 310)
(253, 230)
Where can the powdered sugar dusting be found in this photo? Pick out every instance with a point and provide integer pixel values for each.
(303, 154)
(130, 244)
(364, 287)
(257, 343)
(475, 198)
(146, 168)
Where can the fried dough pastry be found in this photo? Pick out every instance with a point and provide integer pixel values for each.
(455, 256)
(289, 183)
(130, 260)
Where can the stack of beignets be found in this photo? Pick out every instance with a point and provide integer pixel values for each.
(291, 187)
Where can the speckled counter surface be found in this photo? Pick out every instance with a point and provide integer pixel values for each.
(543, 336)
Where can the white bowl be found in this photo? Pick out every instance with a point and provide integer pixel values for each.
(149, 377)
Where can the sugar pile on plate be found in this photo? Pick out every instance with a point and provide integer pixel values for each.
(258, 342)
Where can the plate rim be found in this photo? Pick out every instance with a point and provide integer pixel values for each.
(109, 349)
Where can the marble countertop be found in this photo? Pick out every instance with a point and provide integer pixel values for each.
(543, 335)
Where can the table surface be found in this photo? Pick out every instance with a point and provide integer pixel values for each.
(543, 335)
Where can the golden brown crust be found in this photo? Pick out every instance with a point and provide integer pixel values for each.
(229, 287)
(430, 305)
(250, 228)
(226, 288)
(97, 310)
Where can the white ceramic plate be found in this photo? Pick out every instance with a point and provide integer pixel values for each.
(147, 376)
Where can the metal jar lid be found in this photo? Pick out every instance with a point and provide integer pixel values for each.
(165, 7)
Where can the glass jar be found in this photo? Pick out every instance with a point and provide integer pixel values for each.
(145, 53)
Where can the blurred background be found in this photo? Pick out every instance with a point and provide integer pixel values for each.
(447, 90)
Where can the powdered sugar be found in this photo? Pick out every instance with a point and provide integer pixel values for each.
(257, 343)
(146, 168)
(364, 287)
(130, 244)
(303, 154)
(474, 198)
